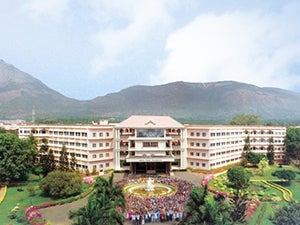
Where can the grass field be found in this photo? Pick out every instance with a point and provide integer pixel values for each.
(18, 195)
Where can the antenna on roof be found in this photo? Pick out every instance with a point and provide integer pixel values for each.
(33, 115)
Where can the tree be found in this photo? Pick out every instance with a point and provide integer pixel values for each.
(103, 205)
(287, 175)
(63, 159)
(292, 142)
(17, 157)
(239, 177)
(73, 161)
(245, 119)
(254, 158)
(50, 164)
(289, 214)
(46, 155)
(262, 165)
(61, 184)
(246, 150)
(203, 208)
(270, 151)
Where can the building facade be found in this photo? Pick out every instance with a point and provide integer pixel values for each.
(156, 144)
(92, 144)
(210, 147)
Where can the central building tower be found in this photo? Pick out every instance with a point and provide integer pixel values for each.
(150, 144)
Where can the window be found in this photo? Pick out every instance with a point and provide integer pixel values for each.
(198, 144)
(197, 164)
(203, 154)
(107, 164)
(197, 154)
(203, 144)
(107, 144)
(203, 165)
(94, 156)
(100, 144)
(107, 154)
(150, 144)
(94, 167)
(203, 134)
(101, 165)
(191, 163)
(192, 133)
(198, 134)
(100, 155)
(192, 153)
(107, 134)
(101, 134)
(94, 145)
(94, 134)
(192, 143)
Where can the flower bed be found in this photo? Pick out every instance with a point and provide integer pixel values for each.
(34, 216)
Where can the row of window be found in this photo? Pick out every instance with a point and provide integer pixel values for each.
(76, 155)
(225, 152)
(221, 134)
(266, 148)
(67, 133)
(101, 165)
(198, 134)
(226, 143)
(94, 156)
(266, 140)
(225, 161)
(101, 134)
(94, 145)
(203, 154)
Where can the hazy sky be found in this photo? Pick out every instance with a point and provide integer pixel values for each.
(89, 48)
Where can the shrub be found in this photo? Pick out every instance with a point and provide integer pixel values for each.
(61, 184)
(31, 191)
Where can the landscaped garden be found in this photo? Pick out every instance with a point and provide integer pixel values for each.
(271, 192)
(19, 196)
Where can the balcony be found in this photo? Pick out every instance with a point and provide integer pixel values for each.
(150, 158)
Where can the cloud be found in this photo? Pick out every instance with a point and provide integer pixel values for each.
(52, 9)
(125, 27)
(257, 47)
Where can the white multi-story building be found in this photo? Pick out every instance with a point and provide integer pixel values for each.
(210, 147)
(92, 144)
(151, 144)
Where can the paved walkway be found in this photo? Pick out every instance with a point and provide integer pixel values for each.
(58, 215)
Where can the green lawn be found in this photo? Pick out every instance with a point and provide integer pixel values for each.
(15, 196)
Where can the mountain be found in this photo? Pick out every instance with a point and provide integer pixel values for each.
(20, 93)
(214, 101)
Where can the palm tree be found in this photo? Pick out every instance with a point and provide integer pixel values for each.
(107, 187)
(105, 206)
(204, 208)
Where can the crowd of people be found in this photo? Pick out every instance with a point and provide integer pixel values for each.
(142, 210)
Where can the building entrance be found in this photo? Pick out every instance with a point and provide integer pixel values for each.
(150, 167)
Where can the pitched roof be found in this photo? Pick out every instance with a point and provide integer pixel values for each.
(149, 121)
